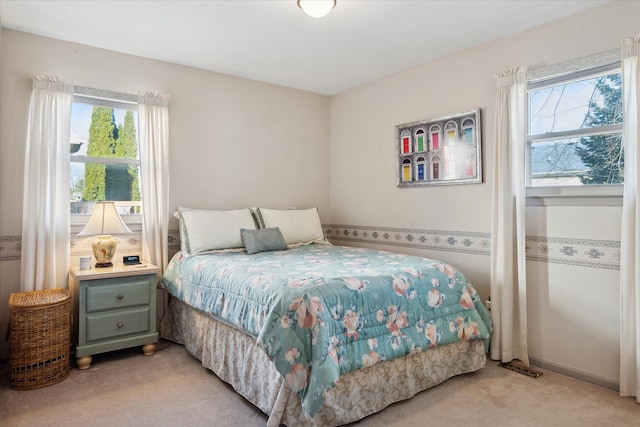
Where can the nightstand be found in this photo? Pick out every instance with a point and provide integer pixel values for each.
(113, 308)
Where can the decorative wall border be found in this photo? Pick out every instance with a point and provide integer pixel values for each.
(439, 240)
(10, 248)
(127, 244)
(603, 254)
(579, 252)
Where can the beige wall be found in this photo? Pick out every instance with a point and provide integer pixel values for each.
(573, 310)
(239, 143)
(233, 142)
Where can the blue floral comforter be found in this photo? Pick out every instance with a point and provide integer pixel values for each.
(320, 311)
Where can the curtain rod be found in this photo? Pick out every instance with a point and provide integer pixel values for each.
(591, 61)
(105, 94)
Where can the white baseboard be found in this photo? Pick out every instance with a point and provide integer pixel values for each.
(575, 373)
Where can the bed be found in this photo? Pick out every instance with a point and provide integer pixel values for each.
(312, 333)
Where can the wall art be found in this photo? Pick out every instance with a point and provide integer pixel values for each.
(440, 151)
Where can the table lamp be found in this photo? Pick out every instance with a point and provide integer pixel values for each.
(104, 221)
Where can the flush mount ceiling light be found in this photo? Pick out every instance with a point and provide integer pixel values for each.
(316, 8)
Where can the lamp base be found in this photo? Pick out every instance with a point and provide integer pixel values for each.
(104, 247)
(104, 264)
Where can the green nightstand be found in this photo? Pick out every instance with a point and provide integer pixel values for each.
(113, 308)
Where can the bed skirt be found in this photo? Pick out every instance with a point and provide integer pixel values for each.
(236, 359)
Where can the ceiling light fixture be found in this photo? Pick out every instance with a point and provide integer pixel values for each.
(316, 8)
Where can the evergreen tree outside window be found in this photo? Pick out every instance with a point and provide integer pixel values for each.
(104, 162)
(575, 129)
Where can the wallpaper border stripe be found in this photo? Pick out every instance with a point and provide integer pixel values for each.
(10, 248)
(439, 240)
(603, 254)
(579, 252)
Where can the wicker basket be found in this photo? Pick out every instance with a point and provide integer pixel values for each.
(40, 333)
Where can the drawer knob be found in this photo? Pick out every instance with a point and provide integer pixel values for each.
(120, 325)
(120, 296)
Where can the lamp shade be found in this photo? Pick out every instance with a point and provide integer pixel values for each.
(316, 8)
(104, 220)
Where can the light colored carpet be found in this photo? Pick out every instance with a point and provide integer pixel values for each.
(171, 388)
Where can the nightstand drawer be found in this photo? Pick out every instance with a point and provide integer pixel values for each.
(110, 325)
(120, 295)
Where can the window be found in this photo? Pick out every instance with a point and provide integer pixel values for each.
(104, 161)
(574, 139)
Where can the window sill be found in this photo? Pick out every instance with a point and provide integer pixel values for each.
(593, 195)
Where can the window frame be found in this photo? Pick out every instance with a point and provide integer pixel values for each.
(586, 195)
(105, 98)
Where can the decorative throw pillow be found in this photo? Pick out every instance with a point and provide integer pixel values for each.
(267, 239)
(298, 226)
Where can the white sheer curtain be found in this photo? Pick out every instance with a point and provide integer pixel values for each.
(45, 208)
(630, 238)
(508, 274)
(153, 128)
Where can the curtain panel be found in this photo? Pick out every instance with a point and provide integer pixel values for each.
(153, 128)
(508, 274)
(153, 116)
(630, 236)
(45, 249)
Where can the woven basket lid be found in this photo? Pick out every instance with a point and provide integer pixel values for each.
(37, 298)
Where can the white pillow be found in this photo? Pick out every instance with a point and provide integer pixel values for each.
(296, 225)
(209, 230)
